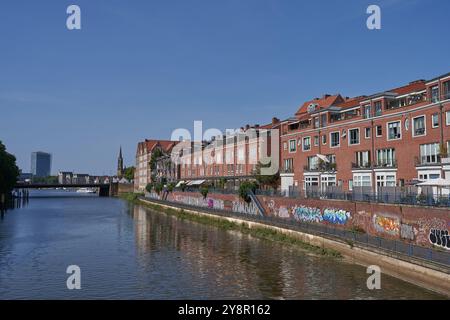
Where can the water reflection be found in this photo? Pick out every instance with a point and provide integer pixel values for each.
(130, 252)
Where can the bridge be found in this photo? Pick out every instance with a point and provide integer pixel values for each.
(105, 189)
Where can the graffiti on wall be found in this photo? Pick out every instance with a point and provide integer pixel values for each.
(440, 238)
(281, 212)
(336, 216)
(243, 207)
(424, 228)
(307, 214)
(200, 202)
(386, 224)
(407, 231)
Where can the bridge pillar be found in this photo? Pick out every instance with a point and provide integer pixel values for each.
(104, 191)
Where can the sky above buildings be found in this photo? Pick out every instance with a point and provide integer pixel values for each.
(140, 69)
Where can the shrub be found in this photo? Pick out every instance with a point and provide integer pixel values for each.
(245, 188)
(149, 187)
(204, 191)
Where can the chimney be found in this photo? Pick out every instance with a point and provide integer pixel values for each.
(326, 95)
(256, 125)
(275, 120)
(247, 126)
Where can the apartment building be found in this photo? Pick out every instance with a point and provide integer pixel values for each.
(391, 138)
(143, 173)
(233, 156)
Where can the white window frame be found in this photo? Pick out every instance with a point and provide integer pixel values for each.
(324, 142)
(295, 146)
(303, 143)
(365, 132)
(447, 118)
(349, 137)
(387, 130)
(376, 131)
(432, 122)
(424, 124)
(331, 140)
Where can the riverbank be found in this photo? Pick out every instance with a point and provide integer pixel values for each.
(429, 278)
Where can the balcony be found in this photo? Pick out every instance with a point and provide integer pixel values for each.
(434, 160)
(361, 165)
(385, 164)
(321, 167)
(287, 170)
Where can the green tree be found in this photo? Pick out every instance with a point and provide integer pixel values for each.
(204, 191)
(8, 171)
(272, 181)
(155, 155)
(159, 187)
(244, 189)
(129, 173)
(149, 187)
(170, 187)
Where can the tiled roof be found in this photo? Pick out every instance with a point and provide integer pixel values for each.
(351, 102)
(415, 86)
(324, 102)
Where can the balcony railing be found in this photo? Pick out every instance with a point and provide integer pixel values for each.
(428, 160)
(386, 164)
(361, 165)
(287, 170)
(322, 167)
(419, 131)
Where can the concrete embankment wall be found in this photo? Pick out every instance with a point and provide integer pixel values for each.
(421, 275)
(418, 225)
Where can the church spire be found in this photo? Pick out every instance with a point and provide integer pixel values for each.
(120, 168)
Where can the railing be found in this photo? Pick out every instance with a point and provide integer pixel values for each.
(419, 131)
(389, 195)
(325, 166)
(403, 250)
(386, 164)
(364, 165)
(427, 160)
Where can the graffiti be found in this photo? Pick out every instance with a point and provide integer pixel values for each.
(440, 238)
(283, 212)
(424, 227)
(407, 231)
(243, 207)
(307, 214)
(336, 216)
(386, 224)
(200, 202)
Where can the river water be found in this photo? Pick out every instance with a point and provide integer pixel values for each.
(131, 252)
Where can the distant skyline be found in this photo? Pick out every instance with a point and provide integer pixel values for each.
(141, 69)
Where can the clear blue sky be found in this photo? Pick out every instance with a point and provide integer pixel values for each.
(139, 69)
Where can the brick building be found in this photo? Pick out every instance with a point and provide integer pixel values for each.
(143, 173)
(391, 138)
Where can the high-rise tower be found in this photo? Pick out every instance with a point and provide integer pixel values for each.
(120, 168)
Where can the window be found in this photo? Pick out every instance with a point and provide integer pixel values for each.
(316, 140)
(379, 131)
(313, 163)
(334, 139)
(385, 180)
(311, 181)
(419, 126)
(324, 139)
(377, 108)
(447, 118)
(306, 143)
(284, 146)
(316, 122)
(435, 120)
(363, 159)
(367, 133)
(362, 180)
(292, 145)
(288, 165)
(446, 89)
(386, 157)
(323, 120)
(434, 94)
(353, 136)
(394, 130)
(367, 111)
(350, 184)
(429, 153)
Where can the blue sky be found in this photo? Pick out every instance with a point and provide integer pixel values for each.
(140, 69)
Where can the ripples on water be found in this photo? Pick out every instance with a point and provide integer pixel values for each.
(130, 252)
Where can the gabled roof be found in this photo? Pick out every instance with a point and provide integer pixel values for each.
(321, 103)
(414, 86)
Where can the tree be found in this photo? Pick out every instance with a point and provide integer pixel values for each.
(170, 187)
(245, 188)
(8, 170)
(149, 187)
(129, 173)
(266, 180)
(204, 191)
(159, 187)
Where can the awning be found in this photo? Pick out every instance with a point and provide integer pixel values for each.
(195, 182)
(179, 184)
(322, 157)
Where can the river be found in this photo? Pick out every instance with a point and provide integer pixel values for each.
(127, 251)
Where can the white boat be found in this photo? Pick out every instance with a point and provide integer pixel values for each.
(86, 190)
